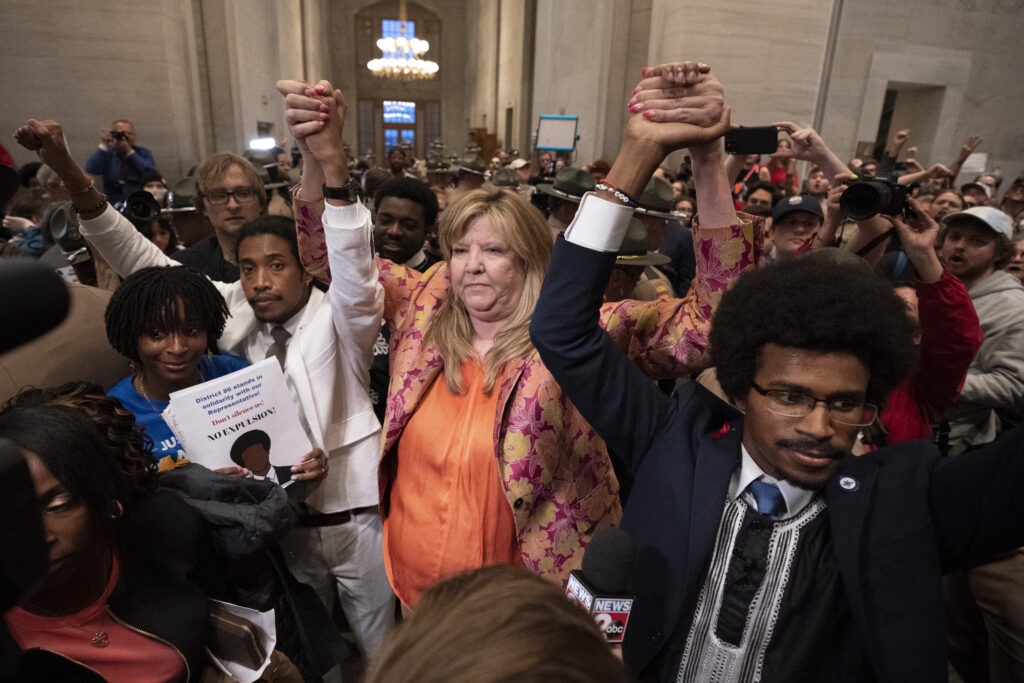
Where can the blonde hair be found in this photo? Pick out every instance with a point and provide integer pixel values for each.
(214, 167)
(521, 226)
(461, 633)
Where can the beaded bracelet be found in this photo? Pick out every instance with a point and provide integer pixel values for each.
(92, 184)
(89, 209)
(605, 186)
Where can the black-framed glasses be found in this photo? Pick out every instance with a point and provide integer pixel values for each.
(242, 195)
(794, 404)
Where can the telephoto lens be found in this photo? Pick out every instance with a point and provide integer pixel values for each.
(864, 198)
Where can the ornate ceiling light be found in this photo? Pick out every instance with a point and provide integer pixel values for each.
(401, 59)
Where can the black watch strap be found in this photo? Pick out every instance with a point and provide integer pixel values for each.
(349, 192)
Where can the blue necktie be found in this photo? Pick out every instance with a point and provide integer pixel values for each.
(768, 497)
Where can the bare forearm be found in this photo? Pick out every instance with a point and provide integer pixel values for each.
(829, 163)
(714, 188)
(634, 166)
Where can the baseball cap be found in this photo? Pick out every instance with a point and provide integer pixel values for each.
(799, 202)
(993, 218)
(977, 186)
(518, 164)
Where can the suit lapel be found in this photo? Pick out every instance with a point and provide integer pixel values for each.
(848, 495)
(718, 456)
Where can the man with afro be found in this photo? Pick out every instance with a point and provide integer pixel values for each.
(765, 550)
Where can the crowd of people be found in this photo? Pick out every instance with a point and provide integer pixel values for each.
(799, 397)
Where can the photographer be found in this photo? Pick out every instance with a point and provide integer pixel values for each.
(119, 161)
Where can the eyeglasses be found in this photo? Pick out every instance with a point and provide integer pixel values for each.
(795, 404)
(242, 195)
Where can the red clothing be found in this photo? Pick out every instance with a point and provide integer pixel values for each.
(950, 336)
(126, 656)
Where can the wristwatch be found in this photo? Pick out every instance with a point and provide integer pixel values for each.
(349, 192)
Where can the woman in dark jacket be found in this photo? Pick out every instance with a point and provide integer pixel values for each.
(124, 595)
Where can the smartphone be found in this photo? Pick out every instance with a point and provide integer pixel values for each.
(753, 140)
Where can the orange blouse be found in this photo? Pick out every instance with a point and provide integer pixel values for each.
(449, 512)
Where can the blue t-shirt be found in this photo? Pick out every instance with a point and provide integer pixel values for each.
(147, 412)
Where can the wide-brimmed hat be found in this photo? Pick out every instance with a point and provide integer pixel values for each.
(504, 177)
(633, 251)
(438, 165)
(994, 219)
(181, 195)
(570, 184)
(472, 163)
(657, 200)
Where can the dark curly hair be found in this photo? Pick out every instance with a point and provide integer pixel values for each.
(817, 306)
(413, 190)
(147, 300)
(130, 446)
(72, 448)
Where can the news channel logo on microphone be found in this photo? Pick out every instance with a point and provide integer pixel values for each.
(612, 615)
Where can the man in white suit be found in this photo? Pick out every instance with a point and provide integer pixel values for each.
(324, 342)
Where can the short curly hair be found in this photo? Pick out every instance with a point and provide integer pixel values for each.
(816, 306)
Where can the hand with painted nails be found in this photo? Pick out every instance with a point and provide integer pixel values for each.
(678, 105)
(314, 466)
(315, 115)
(681, 92)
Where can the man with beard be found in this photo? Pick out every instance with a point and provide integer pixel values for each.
(763, 550)
(975, 246)
(986, 603)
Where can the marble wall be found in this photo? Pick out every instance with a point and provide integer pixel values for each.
(197, 76)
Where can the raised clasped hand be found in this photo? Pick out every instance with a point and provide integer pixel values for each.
(45, 138)
(315, 116)
(676, 105)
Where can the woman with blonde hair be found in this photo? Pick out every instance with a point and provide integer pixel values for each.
(498, 407)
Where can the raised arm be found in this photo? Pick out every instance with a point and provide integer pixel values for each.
(807, 145)
(966, 150)
(306, 113)
(355, 294)
(618, 400)
(950, 332)
(108, 232)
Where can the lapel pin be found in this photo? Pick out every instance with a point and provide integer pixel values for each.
(848, 484)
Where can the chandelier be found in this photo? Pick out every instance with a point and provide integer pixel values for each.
(402, 56)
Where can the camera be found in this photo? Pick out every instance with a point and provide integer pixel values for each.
(867, 197)
(119, 135)
(140, 208)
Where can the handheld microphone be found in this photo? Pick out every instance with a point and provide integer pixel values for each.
(599, 587)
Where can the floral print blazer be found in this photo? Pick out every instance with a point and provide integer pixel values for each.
(555, 469)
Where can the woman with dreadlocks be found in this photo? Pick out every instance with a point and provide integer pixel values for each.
(166, 321)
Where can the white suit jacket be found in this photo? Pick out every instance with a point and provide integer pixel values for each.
(329, 356)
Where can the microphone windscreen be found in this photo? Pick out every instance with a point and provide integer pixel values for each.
(608, 560)
(33, 301)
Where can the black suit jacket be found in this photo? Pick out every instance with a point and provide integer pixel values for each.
(901, 518)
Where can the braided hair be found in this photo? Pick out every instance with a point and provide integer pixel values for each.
(148, 300)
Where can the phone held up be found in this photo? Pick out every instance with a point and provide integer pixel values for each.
(752, 140)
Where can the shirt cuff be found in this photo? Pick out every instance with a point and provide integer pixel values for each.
(599, 224)
(348, 217)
